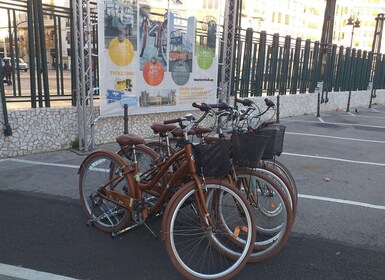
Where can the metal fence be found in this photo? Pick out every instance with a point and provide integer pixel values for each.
(270, 65)
(43, 36)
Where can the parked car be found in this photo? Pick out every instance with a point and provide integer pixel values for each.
(22, 64)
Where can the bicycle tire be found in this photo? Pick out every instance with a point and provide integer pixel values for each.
(285, 185)
(280, 167)
(96, 170)
(272, 231)
(163, 42)
(143, 36)
(182, 212)
(147, 159)
(161, 149)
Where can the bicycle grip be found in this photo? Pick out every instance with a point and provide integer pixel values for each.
(172, 121)
(220, 106)
(203, 106)
(269, 103)
(244, 102)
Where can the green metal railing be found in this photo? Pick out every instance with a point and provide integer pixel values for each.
(263, 64)
(271, 65)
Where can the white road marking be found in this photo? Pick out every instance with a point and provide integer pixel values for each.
(335, 159)
(320, 119)
(335, 137)
(374, 110)
(40, 163)
(339, 123)
(342, 201)
(28, 274)
(351, 114)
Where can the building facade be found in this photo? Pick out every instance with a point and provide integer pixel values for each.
(304, 18)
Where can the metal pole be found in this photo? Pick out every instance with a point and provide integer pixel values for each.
(36, 54)
(376, 47)
(31, 53)
(125, 119)
(43, 54)
(230, 21)
(7, 127)
(278, 102)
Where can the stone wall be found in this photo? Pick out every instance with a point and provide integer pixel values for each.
(48, 129)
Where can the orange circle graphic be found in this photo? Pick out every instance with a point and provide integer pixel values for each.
(153, 72)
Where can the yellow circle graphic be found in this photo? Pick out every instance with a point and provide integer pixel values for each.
(121, 51)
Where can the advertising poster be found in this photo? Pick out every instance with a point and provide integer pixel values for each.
(157, 56)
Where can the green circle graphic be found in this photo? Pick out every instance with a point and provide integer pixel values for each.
(205, 57)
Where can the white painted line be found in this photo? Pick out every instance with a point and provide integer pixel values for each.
(335, 137)
(372, 117)
(335, 159)
(349, 124)
(374, 110)
(41, 163)
(29, 274)
(343, 201)
(93, 168)
(350, 113)
(320, 119)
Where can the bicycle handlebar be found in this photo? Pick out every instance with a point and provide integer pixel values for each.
(269, 103)
(249, 103)
(178, 120)
(203, 106)
(244, 102)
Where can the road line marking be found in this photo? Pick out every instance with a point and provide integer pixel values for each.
(350, 113)
(335, 159)
(342, 201)
(29, 274)
(93, 168)
(372, 117)
(374, 110)
(320, 119)
(336, 137)
(42, 163)
(349, 124)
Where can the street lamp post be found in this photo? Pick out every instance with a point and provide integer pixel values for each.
(355, 22)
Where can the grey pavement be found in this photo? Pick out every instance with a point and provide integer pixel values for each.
(337, 160)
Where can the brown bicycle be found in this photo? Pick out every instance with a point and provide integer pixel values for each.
(207, 227)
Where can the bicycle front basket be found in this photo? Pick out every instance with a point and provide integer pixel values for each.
(274, 146)
(213, 159)
(247, 148)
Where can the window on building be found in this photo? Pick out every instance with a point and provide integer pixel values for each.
(273, 17)
(287, 19)
(279, 17)
(210, 4)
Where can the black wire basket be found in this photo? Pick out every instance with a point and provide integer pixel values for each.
(248, 148)
(213, 159)
(274, 146)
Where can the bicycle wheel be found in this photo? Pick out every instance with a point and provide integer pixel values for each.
(143, 36)
(199, 251)
(161, 149)
(98, 169)
(283, 183)
(272, 211)
(146, 159)
(145, 156)
(163, 42)
(282, 169)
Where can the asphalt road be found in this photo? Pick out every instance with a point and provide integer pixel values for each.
(338, 162)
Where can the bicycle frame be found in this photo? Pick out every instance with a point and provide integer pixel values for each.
(187, 168)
